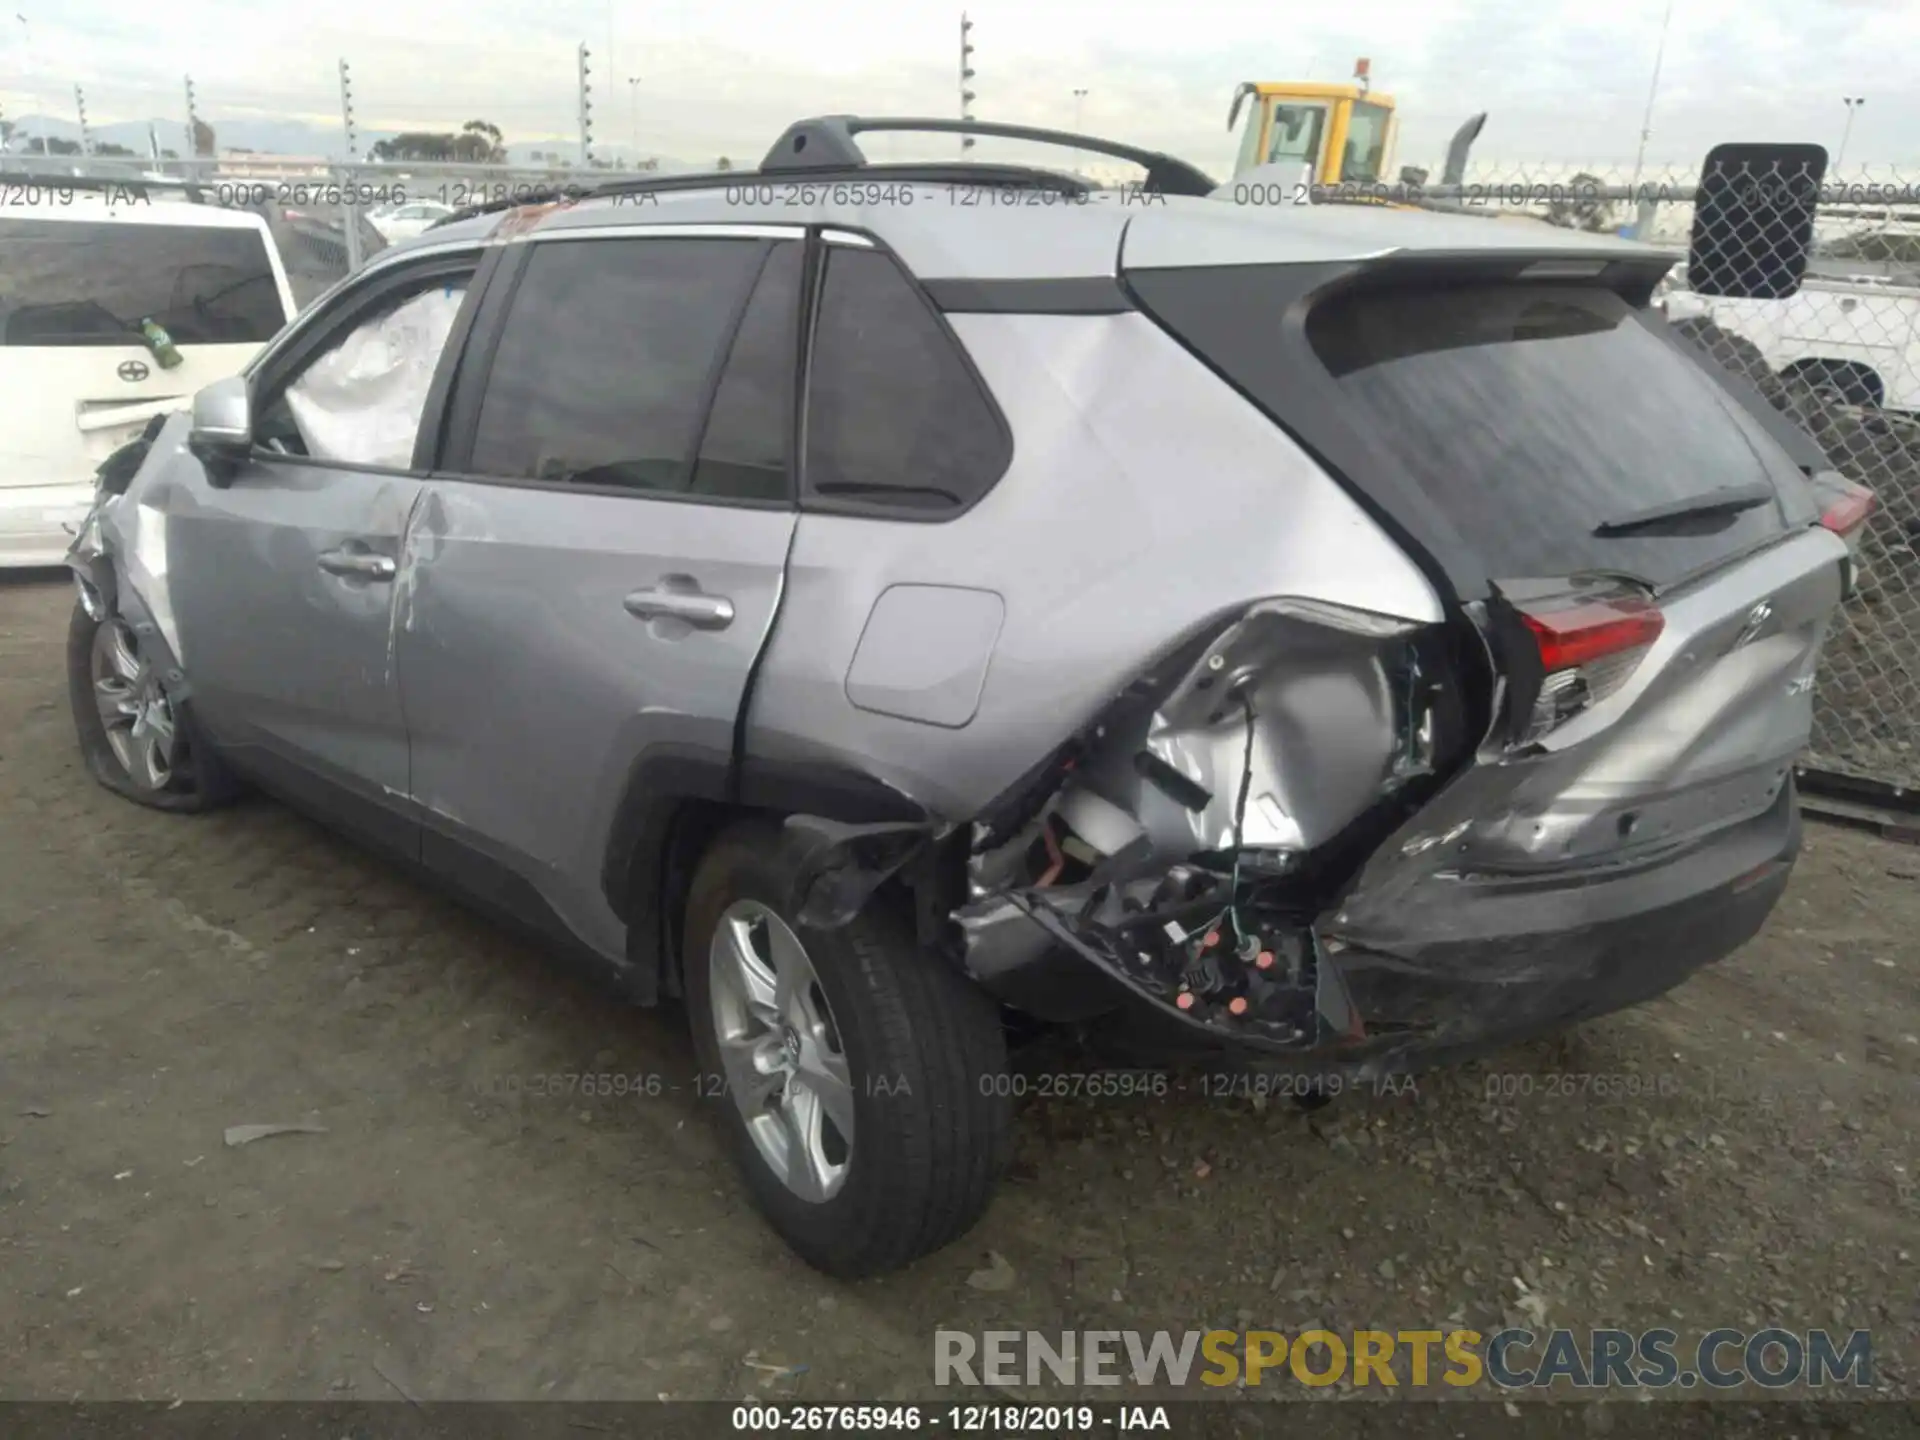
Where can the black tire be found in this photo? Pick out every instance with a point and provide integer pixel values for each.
(923, 1045)
(199, 780)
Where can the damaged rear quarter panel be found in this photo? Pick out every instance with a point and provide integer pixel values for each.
(1144, 500)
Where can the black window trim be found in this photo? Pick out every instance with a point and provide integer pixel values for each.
(341, 315)
(468, 387)
(849, 237)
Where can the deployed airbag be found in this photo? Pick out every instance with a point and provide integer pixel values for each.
(361, 402)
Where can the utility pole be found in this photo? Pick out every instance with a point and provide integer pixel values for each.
(350, 216)
(86, 135)
(633, 90)
(586, 109)
(1853, 103)
(967, 97)
(1653, 89)
(193, 130)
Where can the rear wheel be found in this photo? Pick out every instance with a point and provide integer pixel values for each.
(133, 741)
(853, 1073)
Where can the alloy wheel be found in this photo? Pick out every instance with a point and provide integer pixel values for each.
(786, 1065)
(133, 707)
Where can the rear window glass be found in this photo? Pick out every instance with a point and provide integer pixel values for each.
(1533, 414)
(93, 283)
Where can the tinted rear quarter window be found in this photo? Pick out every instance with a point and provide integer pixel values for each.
(897, 423)
(1532, 414)
(68, 282)
(608, 354)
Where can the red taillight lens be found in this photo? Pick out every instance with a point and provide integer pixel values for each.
(1591, 630)
(1588, 647)
(1848, 506)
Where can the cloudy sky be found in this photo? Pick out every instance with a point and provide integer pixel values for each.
(1562, 81)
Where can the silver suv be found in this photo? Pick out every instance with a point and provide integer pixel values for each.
(870, 604)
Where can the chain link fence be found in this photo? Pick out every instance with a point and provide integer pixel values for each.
(1840, 355)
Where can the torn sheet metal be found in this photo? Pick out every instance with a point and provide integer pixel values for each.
(1315, 715)
(360, 403)
(1184, 849)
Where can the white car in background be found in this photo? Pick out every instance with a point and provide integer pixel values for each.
(403, 222)
(115, 306)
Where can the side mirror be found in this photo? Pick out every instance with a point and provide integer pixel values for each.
(1753, 220)
(222, 431)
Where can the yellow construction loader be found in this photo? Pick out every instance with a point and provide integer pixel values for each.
(1345, 132)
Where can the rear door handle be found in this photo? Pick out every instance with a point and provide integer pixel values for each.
(683, 601)
(358, 562)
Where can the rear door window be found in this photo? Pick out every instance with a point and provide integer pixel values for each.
(1533, 414)
(608, 355)
(897, 423)
(749, 437)
(74, 282)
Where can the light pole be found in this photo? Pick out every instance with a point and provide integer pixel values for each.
(26, 69)
(1853, 103)
(1653, 89)
(633, 92)
(1079, 106)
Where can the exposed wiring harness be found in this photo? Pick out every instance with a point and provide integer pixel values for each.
(1240, 822)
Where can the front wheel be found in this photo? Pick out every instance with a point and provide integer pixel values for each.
(133, 740)
(852, 1071)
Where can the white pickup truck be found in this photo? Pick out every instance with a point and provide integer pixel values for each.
(1860, 336)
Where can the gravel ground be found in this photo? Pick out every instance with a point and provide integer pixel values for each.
(169, 977)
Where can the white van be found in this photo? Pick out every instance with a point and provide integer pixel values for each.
(82, 271)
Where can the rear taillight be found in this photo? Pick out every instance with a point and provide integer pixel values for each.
(1846, 507)
(1588, 645)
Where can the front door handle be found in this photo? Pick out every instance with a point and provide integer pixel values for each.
(681, 601)
(358, 562)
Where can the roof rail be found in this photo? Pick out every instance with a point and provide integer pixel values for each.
(953, 172)
(826, 142)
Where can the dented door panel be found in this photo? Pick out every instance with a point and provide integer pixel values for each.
(288, 649)
(534, 683)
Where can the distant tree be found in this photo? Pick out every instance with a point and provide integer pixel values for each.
(107, 148)
(724, 164)
(50, 146)
(6, 133)
(480, 143)
(169, 154)
(202, 138)
(416, 145)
